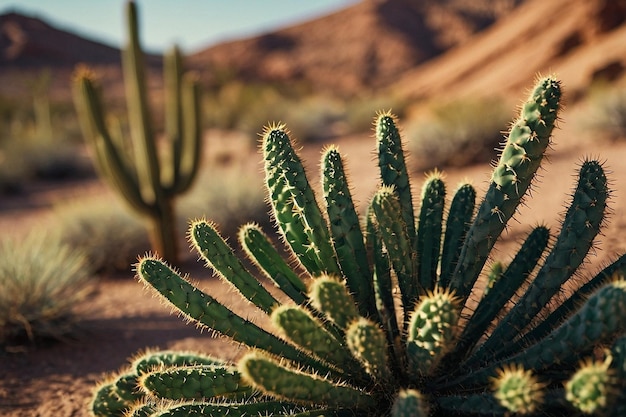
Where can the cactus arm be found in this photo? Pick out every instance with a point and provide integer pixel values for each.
(383, 288)
(183, 130)
(261, 251)
(230, 409)
(191, 148)
(174, 128)
(346, 232)
(502, 290)
(591, 387)
(108, 158)
(557, 316)
(144, 145)
(150, 360)
(206, 311)
(185, 144)
(306, 331)
(581, 224)
(194, 382)
(331, 297)
(393, 171)
(432, 328)
(428, 242)
(219, 256)
(457, 224)
(282, 381)
(112, 398)
(596, 322)
(368, 343)
(523, 152)
(294, 204)
(393, 230)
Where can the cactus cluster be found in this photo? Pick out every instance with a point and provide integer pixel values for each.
(386, 316)
(148, 181)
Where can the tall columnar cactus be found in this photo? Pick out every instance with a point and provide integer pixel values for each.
(345, 345)
(149, 182)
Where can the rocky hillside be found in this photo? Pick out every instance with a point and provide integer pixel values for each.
(363, 47)
(29, 46)
(582, 41)
(420, 48)
(30, 42)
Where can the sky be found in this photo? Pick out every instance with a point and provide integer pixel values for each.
(191, 24)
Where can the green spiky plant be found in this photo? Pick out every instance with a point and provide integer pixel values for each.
(147, 181)
(344, 345)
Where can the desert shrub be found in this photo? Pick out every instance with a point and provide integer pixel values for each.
(358, 111)
(222, 195)
(107, 232)
(457, 133)
(311, 117)
(41, 282)
(607, 113)
(25, 157)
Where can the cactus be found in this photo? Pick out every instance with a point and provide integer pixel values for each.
(148, 182)
(377, 319)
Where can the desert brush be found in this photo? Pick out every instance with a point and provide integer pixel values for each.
(386, 315)
(148, 182)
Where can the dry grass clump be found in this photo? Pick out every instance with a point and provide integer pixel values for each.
(458, 133)
(107, 232)
(42, 280)
(606, 115)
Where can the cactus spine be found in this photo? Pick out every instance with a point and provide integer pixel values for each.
(381, 322)
(148, 181)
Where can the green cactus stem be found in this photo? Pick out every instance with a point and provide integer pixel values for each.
(523, 152)
(331, 297)
(432, 328)
(346, 232)
(518, 390)
(264, 255)
(201, 381)
(272, 377)
(218, 255)
(294, 204)
(147, 181)
(393, 171)
(398, 313)
(589, 389)
(309, 333)
(428, 243)
(368, 344)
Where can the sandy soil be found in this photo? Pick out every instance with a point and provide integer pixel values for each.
(123, 318)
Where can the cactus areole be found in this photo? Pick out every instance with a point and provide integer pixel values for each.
(386, 315)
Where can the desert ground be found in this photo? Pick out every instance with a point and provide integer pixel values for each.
(122, 317)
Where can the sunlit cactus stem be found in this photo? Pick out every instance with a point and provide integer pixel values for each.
(147, 181)
(521, 156)
(397, 313)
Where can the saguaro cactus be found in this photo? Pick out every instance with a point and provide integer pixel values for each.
(344, 345)
(149, 182)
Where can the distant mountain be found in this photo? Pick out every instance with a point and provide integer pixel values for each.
(29, 46)
(366, 46)
(419, 48)
(582, 41)
(30, 42)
